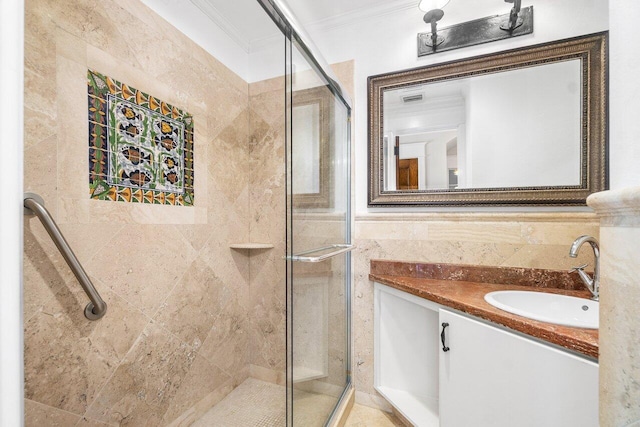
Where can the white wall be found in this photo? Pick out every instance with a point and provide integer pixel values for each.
(388, 43)
(437, 171)
(305, 135)
(11, 121)
(624, 94)
(523, 127)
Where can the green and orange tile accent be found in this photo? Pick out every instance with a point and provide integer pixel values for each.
(140, 148)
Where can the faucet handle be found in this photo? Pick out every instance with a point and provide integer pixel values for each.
(579, 268)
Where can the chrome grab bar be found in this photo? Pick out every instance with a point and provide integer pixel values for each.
(340, 249)
(34, 205)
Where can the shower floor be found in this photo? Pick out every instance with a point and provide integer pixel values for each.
(256, 403)
(252, 403)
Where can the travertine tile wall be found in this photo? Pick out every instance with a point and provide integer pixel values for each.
(619, 296)
(536, 240)
(267, 194)
(177, 330)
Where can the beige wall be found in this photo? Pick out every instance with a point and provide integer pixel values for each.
(620, 327)
(619, 296)
(500, 239)
(267, 225)
(177, 330)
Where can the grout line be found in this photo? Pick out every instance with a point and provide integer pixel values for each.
(108, 380)
(191, 261)
(53, 407)
(133, 345)
(133, 306)
(191, 347)
(231, 375)
(50, 248)
(104, 246)
(38, 311)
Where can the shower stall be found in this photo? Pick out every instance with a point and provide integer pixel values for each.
(205, 191)
(318, 237)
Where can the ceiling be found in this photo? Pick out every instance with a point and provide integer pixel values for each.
(246, 22)
(231, 30)
(313, 11)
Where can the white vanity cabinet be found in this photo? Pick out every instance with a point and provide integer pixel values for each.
(489, 376)
(492, 377)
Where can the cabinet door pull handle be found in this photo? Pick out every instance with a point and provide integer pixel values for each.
(442, 337)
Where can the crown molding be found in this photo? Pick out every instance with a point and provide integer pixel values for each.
(381, 9)
(218, 18)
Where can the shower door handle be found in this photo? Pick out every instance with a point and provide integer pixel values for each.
(304, 256)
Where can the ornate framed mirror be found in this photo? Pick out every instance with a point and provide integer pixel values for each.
(523, 127)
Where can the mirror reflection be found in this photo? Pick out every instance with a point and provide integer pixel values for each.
(306, 154)
(518, 128)
(522, 127)
(312, 112)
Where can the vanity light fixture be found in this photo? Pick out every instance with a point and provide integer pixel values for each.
(517, 22)
(514, 20)
(433, 13)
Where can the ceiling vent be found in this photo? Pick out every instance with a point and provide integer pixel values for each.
(412, 98)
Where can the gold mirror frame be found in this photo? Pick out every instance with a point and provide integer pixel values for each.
(591, 49)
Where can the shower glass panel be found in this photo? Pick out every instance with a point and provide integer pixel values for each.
(318, 217)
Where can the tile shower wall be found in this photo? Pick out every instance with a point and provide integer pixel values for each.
(175, 338)
(535, 240)
(267, 192)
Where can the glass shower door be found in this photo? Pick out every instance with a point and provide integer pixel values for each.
(318, 215)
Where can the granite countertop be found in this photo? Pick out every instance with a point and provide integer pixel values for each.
(463, 287)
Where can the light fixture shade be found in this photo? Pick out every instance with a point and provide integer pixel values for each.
(427, 5)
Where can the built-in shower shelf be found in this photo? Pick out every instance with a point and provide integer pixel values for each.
(251, 246)
(301, 374)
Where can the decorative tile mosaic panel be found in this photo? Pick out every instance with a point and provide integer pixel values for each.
(140, 148)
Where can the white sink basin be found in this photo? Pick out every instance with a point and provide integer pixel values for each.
(550, 308)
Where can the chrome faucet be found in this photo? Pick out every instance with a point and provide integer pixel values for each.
(592, 284)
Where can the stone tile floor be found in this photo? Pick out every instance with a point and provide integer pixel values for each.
(364, 416)
(256, 403)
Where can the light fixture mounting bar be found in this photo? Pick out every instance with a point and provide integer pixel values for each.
(478, 31)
